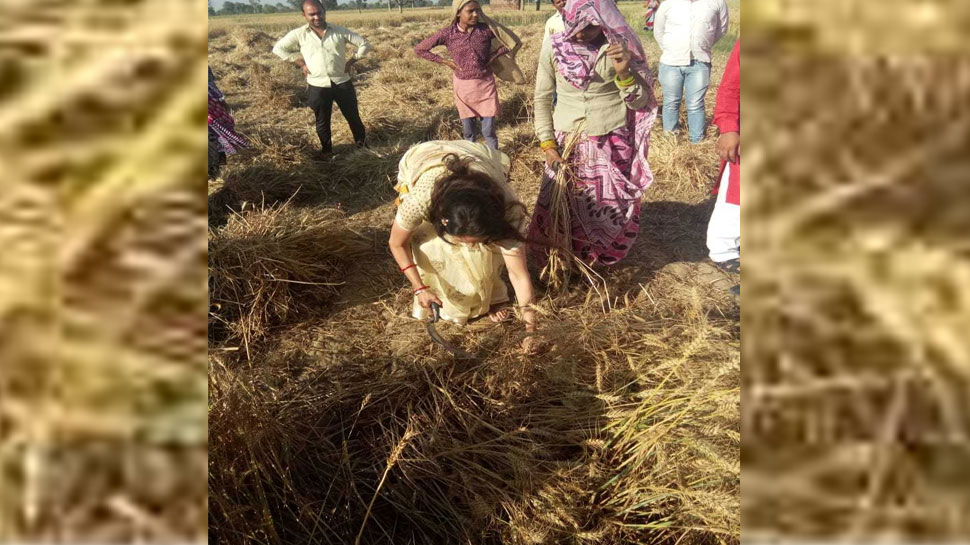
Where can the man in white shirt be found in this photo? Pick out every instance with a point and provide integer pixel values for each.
(320, 49)
(555, 24)
(686, 31)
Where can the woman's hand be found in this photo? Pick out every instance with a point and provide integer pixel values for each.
(617, 52)
(426, 297)
(515, 262)
(552, 157)
(530, 345)
(450, 64)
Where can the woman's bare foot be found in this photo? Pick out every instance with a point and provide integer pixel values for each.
(497, 315)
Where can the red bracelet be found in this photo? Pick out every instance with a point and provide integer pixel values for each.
(422, 288)
(409, 266)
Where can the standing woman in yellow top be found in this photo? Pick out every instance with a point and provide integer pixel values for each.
(457, 227)
(597, 69)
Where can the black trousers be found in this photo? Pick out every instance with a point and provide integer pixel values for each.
(321, 99)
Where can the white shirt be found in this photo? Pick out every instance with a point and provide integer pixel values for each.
(554, 25)
(688, 29)
(325, 57)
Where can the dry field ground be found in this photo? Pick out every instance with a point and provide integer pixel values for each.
(102, 280)
(856, 374)
(333, 419)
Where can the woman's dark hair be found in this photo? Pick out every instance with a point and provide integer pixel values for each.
(471, 204)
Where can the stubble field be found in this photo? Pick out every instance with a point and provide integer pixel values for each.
(332, 416)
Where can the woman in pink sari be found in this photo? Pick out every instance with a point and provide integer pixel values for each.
(598, 70)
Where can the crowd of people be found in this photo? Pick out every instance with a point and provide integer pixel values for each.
(458, 223)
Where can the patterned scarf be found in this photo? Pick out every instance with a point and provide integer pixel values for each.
(576, 61)
(221, 121)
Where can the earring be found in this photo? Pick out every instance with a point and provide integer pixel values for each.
(444, 221)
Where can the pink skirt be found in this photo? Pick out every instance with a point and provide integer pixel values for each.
(476, 97)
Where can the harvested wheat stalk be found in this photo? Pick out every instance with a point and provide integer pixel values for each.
(557, 270)
(562, 261)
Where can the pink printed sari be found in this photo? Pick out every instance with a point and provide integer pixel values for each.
(221, 123)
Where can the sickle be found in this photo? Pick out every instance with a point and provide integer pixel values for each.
(435, 316)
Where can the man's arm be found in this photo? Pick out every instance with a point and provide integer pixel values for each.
(658, 24)
(723, 16)
(288, 47)
(547, 30)
(727, 107)
(361, 43)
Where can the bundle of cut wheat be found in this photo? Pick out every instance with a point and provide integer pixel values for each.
(270, 265)
(560, 240)
(102, 341)
(561, 260)
(856, 383)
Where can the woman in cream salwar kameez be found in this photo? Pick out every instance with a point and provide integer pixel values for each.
(458, 225)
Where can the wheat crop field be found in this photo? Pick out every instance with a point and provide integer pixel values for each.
(334, 419)
(856, 373)
(102, 274)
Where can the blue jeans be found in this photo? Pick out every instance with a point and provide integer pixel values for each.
(691, 80)
(488, 130)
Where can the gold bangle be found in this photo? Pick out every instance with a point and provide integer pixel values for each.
(548, 144)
